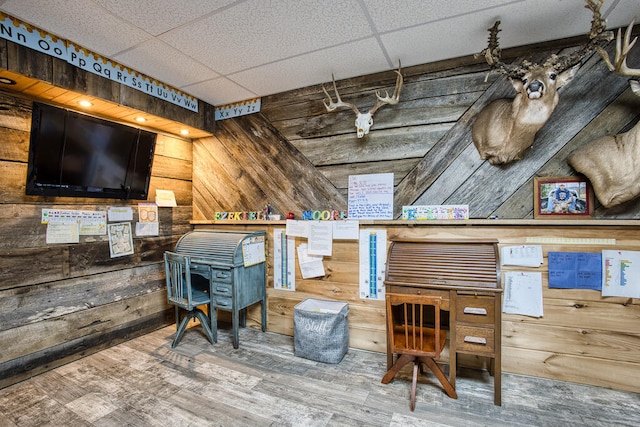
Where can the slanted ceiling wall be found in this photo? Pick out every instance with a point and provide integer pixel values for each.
(296, 156)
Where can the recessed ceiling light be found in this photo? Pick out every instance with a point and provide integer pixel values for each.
(7, 81)
(141, 119)
(85, 103)
(184, 132)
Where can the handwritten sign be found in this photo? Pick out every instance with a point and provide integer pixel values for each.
(371, 196)
(575, 270)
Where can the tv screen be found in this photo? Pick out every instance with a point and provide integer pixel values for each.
(73, 154)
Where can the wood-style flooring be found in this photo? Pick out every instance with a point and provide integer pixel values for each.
(143, 382)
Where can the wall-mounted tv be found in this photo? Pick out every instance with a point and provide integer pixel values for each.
(77, 155)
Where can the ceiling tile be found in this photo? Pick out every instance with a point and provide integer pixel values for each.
(254, 33)
(219, 91)
(159, 16)
(80, 21)
(409, 13)
(314, 68)
(164, 63)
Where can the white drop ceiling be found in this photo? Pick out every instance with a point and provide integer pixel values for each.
(225, 51)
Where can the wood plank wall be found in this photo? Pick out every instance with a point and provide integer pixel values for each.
(295, 156)
(60, 302)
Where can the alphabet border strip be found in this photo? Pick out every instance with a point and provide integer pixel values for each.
(14, 30)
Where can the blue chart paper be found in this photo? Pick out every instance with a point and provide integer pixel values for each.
(575, 270)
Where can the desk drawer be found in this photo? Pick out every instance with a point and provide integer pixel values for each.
(222, 302)
(222, 289)
(221, 275)
(471, 339)
(475, 309)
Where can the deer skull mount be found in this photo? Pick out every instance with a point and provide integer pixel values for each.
(505, 128)
(364, 121)
(612, 163)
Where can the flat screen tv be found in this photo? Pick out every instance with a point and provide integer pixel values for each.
(75, 155)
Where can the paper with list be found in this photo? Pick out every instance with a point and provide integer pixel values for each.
(523, 293)
(621, 273)
(523, 255)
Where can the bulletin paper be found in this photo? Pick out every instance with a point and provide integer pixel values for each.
(284, 260)
(320, 238)
(371, 196)
(523, 255)
(523, 293)
(621, 273)
(373, 261)
(120, 239)
(575, 270)
(310, 265)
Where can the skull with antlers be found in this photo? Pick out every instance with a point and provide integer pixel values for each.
(364, 121)
(505, 128)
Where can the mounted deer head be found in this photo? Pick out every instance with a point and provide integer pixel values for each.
(505, 128)
(612, 163)
(364, 121)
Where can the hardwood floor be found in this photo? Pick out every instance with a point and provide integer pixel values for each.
(143, 382)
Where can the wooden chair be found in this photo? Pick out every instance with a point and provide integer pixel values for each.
(413, 340)
(182, 295)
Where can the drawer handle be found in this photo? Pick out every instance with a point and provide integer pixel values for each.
(222, 289)
(475, 310)
(475, 340)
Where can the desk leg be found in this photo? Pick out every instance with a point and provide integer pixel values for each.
(497, 360)
(453, 356)
(213, 316)
(264, 313)
(235, 325)
(389, 354)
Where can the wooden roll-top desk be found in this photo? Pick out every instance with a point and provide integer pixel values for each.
(466, 274)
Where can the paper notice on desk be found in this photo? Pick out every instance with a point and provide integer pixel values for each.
(523, 255)
(523, 293)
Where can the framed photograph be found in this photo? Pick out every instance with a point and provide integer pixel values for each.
(562, 197)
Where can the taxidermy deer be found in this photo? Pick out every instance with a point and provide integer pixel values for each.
(612, 163)
(505, 128)
(364, 121)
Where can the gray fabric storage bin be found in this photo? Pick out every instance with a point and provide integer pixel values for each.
(320, 330)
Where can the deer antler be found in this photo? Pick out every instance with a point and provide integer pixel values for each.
(622, 50)
(339, 103)
(492, 54)
(387, 100)
(597, 34)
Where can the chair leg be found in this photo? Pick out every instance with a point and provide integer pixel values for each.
(414, 384)
(402, 360)
(448, 388)
(204, 322)
(177, 312)
(181, 328)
